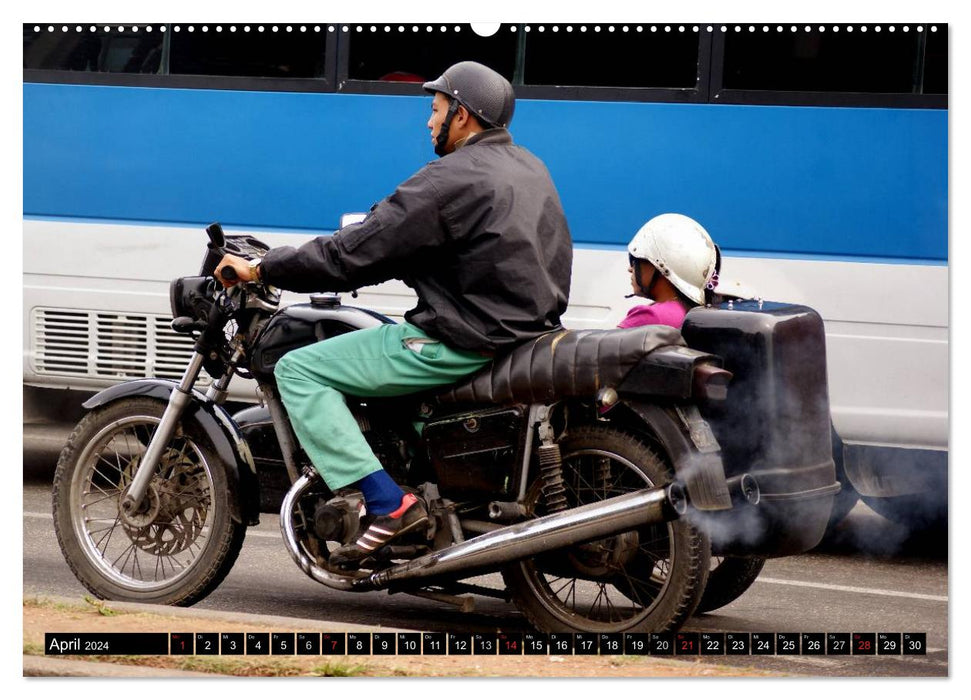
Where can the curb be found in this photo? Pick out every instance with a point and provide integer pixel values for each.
(47, 667)
(230, 617)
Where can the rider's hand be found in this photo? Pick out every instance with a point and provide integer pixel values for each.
(244, 272)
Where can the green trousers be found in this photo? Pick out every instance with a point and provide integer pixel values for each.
(390, 360)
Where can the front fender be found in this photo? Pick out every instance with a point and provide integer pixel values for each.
(216, 424)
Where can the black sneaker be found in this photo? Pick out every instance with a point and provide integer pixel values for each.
(409, 516)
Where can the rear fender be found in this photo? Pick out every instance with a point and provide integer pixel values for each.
(216, 424)
(694, 452)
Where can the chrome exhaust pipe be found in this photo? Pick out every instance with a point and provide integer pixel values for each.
(522, 540)
(744, 489)
(342, 582)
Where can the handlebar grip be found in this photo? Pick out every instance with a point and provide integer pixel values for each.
(228, 273)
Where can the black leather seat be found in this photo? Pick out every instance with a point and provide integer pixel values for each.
(562, 364)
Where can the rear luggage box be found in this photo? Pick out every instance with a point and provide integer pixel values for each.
(774, 425)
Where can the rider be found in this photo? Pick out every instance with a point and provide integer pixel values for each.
(481, 237)
(674, 262)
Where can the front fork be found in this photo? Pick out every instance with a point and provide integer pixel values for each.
(178, 400)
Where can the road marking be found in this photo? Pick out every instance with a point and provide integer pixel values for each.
(761, 579)
(250, 533)
(28, 514)
(853, 589)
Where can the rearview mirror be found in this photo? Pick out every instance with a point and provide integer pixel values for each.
(216, 235)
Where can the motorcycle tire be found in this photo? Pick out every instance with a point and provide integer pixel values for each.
(176, 552)
(728, 579)
(645, 580)
(926, 512)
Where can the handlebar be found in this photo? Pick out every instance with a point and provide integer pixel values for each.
(228, 273)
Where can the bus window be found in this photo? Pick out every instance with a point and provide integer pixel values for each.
(253, 53)
(833, 61)
(608, 56)
(412, 53)
(136, 49)
(935, 62)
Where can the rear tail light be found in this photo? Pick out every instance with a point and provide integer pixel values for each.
(711, 383)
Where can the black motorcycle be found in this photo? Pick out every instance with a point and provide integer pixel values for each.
(598, 471)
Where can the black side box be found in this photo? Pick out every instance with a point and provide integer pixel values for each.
(477, 454)
(774, 425)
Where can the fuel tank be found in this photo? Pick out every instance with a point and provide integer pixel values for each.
(774, 424)
(303, 324)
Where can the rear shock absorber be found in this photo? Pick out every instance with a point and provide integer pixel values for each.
(550, 465)
(551, 472)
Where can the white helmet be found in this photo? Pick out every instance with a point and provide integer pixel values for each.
(681, 250)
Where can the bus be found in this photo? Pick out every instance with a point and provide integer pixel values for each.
(815, 155)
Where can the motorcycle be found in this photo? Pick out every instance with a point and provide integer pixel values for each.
(598, 471)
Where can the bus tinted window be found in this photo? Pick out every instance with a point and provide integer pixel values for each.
(822, 61)
(607, 56)
(134, 50)
(253, 53)
(411, 53)
(935, 62)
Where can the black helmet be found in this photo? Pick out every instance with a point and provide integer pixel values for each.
(486, 94)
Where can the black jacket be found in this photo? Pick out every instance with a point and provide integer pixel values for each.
(479, 234)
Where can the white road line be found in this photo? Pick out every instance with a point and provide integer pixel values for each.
(28, 514)
(853, 589)
(761, 579)
(250, 533)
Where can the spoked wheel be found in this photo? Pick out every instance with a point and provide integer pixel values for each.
(180, 544)
(644, 580)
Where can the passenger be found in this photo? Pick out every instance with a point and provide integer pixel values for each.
(481, 237)
(673, 262)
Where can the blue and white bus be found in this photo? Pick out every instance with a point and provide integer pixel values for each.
(815, 155)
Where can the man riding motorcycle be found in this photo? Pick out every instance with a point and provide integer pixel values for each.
(479, 234)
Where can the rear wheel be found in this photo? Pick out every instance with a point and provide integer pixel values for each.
(182, 544)
(728, 579)
(916, 512)
(644, 580)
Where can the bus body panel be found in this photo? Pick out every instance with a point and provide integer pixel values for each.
(829, 181)
(842, 209)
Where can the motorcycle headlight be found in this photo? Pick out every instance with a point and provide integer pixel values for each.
(191, 296)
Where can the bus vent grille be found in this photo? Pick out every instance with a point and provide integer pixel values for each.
(172, 351)
(116, 346)
(61, 342)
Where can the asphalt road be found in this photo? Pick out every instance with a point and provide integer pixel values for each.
(871, 576)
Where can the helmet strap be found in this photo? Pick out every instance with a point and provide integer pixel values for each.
(442, 140)
(645, 291)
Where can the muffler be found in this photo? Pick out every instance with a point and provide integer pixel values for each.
(522, 540)
(505, 545)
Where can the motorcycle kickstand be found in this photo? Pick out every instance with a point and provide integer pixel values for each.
(465, 603)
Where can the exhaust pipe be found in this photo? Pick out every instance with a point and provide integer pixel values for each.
(744, 489)
(342, 582)
(520, 541)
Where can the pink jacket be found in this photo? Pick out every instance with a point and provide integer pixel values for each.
(667, 313)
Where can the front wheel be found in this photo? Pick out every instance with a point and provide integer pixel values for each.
(645, 580)
(182, 544)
